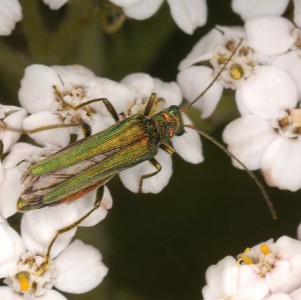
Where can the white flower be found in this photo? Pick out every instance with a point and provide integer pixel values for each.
(11, 118)
(269, 271)
(188, 14)
(10, 14)
(51, 95)
(267, 136)
(188, 145)
(217, 47)
(271, 35)
(229, 280)
(280, 39)
(55, 4)
(248, 9)
(74, 268)
(296, 295)
(277, 263)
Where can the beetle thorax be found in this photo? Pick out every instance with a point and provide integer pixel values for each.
(169, 123)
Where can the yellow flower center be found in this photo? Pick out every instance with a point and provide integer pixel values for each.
(263, 260)
(236, 71)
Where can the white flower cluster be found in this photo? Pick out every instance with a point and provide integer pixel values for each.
(55, 96)
(268, 271)
(265, 74)
(72, 267)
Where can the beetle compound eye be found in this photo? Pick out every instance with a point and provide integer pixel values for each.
(174, 107)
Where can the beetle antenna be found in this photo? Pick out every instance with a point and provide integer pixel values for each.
(250, 173)
(188, 106)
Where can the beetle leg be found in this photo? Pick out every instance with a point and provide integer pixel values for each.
(85, 127)
(153, 99)
(107, 104)
(97, 201)
(151, 102)
(105, 101)
(158, 167)
(167, 148)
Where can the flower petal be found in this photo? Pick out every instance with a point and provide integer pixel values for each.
(291, 63)
(249, 9)
(281, 164)
(299, 232)
(196, 79)
(59, 137)
(203, 49)
(38, 227)
(75, 75)
(228, 279)
(141, 83)
(55, 4)
(188, 14)
(144, 85)
(169, 91)
(85, 204)
(14, 121)
(10, 13)
(10, 189)
(52, 295)
(142, 9)
(117, 93)
(7, 293)
(295, 295)
(279, 296)
(247, 139)
(189, 146)
(19, 152)
(126, 3)
(267, 92)
(270, 35)
(36, 93)
(12, 247)
(131, 177)
(221, 279)
(79, 268)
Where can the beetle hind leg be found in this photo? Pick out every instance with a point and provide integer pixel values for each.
(97, 202)
(168, 149)
(152, 101)
(158, 167)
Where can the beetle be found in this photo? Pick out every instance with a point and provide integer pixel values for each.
(88, 164)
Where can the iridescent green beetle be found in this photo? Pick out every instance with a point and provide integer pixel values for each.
(89, 163)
